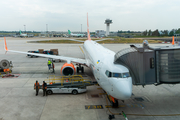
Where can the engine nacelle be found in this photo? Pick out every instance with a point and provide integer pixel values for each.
(4, 64)
(68, 69)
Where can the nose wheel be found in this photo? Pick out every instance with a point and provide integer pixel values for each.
(115, 104)
(80, 68)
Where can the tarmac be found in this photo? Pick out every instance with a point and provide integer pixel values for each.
(19, 102)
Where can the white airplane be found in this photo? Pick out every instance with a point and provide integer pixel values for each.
(22, 35)
(113, 78)
(75, 35)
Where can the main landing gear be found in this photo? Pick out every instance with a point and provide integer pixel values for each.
(80, 68)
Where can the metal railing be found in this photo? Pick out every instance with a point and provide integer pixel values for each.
(67, 79)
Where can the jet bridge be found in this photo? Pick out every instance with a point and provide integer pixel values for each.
(151, 65)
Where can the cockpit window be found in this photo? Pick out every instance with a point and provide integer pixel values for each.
(108, 73)
(125, 75)
(117, 75)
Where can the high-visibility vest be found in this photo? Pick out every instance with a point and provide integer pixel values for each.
(43, 86)
(36, 85)
(49, 62)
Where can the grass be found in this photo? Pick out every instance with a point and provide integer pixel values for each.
(111, 40)
(58, 41)
(127, 40)
(6, 33)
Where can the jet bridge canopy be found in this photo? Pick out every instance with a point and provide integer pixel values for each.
(150, 65)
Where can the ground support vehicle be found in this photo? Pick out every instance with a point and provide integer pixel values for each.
(48, 52)
(65, 89)
(28, 55)
(42, 51)
(67, 84)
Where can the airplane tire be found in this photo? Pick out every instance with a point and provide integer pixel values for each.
(116, 104)
(49, 92)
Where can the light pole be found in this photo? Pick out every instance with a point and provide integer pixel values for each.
(25, 28)
(81, 28)
(176, 38)
(46, 28)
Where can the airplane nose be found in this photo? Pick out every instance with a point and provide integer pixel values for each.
(124, 89)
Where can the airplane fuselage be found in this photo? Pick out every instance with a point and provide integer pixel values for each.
(77, 35)
(23, 35)
(113, 78)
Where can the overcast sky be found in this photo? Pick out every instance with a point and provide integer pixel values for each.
(61, 15)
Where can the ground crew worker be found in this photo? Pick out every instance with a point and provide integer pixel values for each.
(37, 87)
(49, 64)
(44, 86)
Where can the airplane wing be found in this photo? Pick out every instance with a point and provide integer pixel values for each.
(102, 39)
(76, 40)
(68, 59)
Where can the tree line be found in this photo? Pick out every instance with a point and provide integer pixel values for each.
(18, 31)
(161, 33)
(120, 31)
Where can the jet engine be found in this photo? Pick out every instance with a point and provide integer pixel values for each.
(68, 69)
(4, 64)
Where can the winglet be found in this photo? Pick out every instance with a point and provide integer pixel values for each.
(5, 44)
(88, 34)
(173, 40)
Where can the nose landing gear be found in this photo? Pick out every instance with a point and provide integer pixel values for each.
(115, 103)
